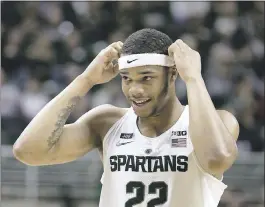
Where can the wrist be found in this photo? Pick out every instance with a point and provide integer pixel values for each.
(85, 80)
(194, 80)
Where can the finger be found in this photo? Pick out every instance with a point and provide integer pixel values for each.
(113, 67)
(112, 53)
(183, 45)
(108, 55)
(115, 62)
(116, 68)
(120, 43)
(109, 66)
(118, 47)
(178, 58)
(174, 49)
(112, 44)
(171, 50)
(111, 50)
(112, 60)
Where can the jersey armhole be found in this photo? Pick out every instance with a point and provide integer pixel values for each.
(106, 140)
(111, 129)
(219, 182)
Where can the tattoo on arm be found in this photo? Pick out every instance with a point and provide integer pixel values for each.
(62, 117)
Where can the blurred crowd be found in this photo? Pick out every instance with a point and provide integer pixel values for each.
(45, 45)
(236, 197)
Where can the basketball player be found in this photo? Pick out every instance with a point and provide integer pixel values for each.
(157, 153)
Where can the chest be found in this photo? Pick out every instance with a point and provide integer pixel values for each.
(139, 146)
(129, 141)
(131, 152)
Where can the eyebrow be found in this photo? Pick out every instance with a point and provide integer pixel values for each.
(142, 72)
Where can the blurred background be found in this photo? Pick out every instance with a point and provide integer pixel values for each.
(45, 45)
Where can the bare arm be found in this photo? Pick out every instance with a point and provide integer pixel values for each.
(47, 140)
(41, 141)
(213, 133)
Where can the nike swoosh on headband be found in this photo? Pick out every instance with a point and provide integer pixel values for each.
(129, 61)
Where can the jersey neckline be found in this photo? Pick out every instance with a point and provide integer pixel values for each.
(152, 139)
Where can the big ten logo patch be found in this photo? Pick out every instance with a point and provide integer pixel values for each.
(179, 133)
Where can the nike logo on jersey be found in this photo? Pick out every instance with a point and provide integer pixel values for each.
(130, 61)
(123, 143)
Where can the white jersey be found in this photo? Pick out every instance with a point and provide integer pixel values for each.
(154, 172)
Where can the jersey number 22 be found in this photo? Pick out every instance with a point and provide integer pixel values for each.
(140, 193)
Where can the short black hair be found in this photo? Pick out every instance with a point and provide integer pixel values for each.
(146, 41)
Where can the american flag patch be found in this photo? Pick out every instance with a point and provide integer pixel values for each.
(179, 142)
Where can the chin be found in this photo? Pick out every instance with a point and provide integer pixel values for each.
(143, 113)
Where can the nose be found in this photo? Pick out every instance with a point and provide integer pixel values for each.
(136, 91)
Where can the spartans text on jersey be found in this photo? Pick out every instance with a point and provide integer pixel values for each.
(148, 164)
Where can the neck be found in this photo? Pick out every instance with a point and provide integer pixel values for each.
(166, 118)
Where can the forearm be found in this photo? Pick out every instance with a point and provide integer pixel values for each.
(206, 126)
(44, 131)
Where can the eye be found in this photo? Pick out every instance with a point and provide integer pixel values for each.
(147, 78)
(125, 78)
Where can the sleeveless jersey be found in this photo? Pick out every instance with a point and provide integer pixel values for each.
(154, 172)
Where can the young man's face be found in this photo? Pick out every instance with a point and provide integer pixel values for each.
(146, 88)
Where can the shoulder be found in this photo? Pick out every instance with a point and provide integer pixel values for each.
(230, 122)
(108, 113)
(101, 118)
(103, 112)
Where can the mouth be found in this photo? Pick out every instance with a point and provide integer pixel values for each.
(140, 103)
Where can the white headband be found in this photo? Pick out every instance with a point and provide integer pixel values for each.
(136, 60)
